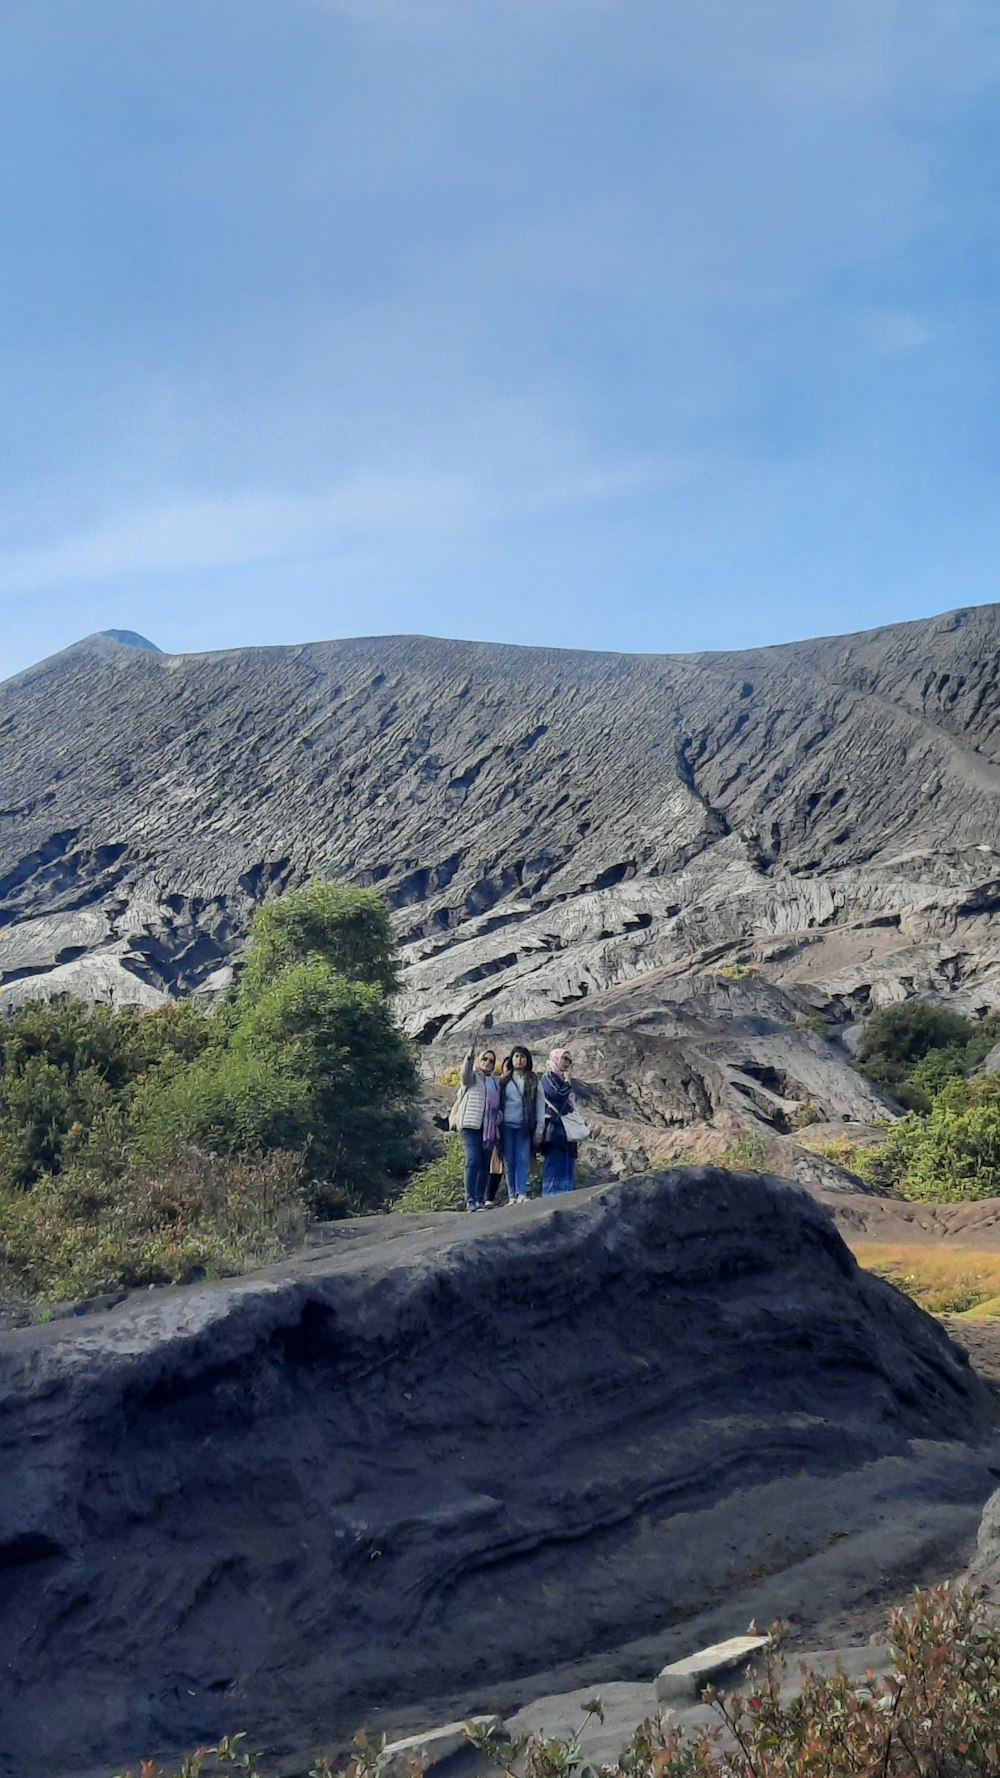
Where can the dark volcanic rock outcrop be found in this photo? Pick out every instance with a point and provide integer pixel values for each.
(440, 1453)
(548, 824)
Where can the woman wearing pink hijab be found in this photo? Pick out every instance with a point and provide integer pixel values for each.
(559, 1154)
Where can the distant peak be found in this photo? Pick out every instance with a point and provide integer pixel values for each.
(130, 639)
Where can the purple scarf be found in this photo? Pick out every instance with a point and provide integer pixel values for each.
(492, 1108)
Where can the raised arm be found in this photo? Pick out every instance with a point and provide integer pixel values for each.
(468, 1074)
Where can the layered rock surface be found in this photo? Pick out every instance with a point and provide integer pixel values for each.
(438, 1456)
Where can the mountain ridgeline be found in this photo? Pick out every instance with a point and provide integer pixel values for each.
(549, 826)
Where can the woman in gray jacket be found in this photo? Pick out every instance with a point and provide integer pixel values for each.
(522, 1104)
(477, 1120)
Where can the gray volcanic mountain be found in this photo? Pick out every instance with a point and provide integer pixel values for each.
(579, 841)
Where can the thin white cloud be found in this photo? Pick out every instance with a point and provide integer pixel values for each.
(895, 330)
(852, 55)
(194, 536)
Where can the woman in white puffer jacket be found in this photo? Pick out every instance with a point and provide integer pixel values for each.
(477, 1120)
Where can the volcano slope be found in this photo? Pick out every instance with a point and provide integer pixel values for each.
(548, 825)
(441, 1457)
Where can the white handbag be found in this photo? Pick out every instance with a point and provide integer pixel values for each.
(574, 1127)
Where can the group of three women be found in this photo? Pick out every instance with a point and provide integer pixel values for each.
(511, 1114)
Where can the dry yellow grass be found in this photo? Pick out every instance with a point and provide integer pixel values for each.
(943, 1280)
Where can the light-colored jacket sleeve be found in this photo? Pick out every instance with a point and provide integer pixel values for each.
(468, 1074)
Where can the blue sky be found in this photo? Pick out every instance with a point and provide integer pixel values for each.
(609, 323)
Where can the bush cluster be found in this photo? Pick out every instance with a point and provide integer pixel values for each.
(946, 1147)
(951, 1154)
(146, 1147)
(913, 1050)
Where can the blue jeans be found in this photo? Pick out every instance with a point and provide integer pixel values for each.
(477, 1166)
(558, 1169)
(516, 1159)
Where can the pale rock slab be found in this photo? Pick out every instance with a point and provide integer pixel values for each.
(688, 1678)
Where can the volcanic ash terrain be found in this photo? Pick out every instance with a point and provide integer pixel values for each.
(436, 1462)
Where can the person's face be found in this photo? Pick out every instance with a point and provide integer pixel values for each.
(487, 1062)
(520, 1061)
(567, 1061)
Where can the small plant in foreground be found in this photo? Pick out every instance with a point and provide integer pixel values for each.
(536, 1756)
(228, 1752)
(935, 1714)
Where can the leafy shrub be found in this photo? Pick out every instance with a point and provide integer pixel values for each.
(912, 1050)
(860, 1158)
(67, 1068)
(440, 1184)
(952, 1154)
(230, 1102)
(347, 929)
(80, 1233)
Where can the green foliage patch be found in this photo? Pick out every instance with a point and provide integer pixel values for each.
(440, 1185)
(746, 1155)
(860, 1158)
(913, 1050)
(952, 1154)
(144, 1147)
(192, 1216)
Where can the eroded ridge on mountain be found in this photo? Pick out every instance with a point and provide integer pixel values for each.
(549, 825)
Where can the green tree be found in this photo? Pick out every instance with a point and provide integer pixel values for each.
(309, 1057)
(346, 928)
(896, 1039)
(339, 1041)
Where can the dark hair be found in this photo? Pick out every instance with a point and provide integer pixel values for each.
(521, 1049)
